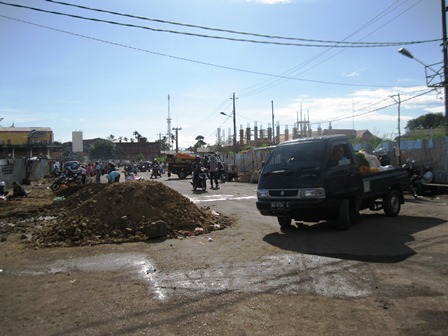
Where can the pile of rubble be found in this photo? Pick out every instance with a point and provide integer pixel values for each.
(122, 212)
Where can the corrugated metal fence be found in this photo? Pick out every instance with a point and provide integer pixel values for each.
(431, 152)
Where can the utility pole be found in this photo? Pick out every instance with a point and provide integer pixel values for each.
(273, 126)
(168, 121)
(235, 148)
(177, 129)
(398, 153)
(445, 64)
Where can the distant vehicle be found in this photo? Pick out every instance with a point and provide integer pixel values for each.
(72, 165)
(180, 164)
(144, 166)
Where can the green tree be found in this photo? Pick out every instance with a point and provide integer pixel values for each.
(111, 138)
(102, 150)
(199, 142)
(427, 121)
(164, 145)
(137, 135)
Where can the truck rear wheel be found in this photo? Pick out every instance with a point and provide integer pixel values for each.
(182, 175)
(391, 203)
(344, 215)
(284, 222)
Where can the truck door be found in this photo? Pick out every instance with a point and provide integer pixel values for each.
(341, 177)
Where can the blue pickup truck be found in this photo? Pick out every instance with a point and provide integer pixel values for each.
(305, 180)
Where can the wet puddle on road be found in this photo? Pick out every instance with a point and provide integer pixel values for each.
(290, 273)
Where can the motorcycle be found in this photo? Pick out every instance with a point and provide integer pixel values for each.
(155, 171)
(200, 180)
(72, 178)
(414, 177)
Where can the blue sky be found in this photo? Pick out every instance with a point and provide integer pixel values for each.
(75, 74)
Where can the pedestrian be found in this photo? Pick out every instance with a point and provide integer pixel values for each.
(83, 174)
(97, 172)
(213, 169)
(55, 169)
(113, 176)
(17, 191)
(90, 170)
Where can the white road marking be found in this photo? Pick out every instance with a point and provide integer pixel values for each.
(215, 198)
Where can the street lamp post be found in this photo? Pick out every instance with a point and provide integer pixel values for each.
(443, 72)
(398, 152)
(234, 132)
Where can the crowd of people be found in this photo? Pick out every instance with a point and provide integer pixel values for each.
(212, 164)
(17, 191)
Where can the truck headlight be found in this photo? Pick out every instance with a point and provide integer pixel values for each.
(312, 193)
(262, 193)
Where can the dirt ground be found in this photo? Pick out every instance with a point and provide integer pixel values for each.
(103, 213)
(49, 244)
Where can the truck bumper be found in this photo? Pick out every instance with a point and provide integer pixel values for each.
(310, 211)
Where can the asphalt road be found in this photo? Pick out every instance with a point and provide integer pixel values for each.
(383, 276)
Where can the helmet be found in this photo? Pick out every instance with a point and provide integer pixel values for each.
(428, 168)
(2, 183)
(197, 157)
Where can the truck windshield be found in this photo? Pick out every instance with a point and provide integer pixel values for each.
(295, 157)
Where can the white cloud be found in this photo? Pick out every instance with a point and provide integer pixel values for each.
(353, 74)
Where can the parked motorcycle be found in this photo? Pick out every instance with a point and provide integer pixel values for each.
(414, 177)
(67, 179)
(200, 180)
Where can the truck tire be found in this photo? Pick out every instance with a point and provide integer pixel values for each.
(182, 174)
(285, 222)
(344, 215)
(391, 203)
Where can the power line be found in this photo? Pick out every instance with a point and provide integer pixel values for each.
(269, 83)
(198, 62)
(220, 29)
(374, 110)
(332, 43)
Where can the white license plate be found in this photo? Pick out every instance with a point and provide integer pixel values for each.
(280, 205)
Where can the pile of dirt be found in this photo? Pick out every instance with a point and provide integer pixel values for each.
(118, 213)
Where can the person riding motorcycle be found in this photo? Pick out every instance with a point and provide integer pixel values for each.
(155, 169)
(196, 167)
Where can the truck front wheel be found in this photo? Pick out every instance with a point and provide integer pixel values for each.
(344, 215)
(284, 222)
(391, 203)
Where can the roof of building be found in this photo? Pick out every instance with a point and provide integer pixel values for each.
(25, 129)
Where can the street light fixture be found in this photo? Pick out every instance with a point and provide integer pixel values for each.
(442, 73)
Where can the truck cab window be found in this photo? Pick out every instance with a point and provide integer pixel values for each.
(339, 156)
